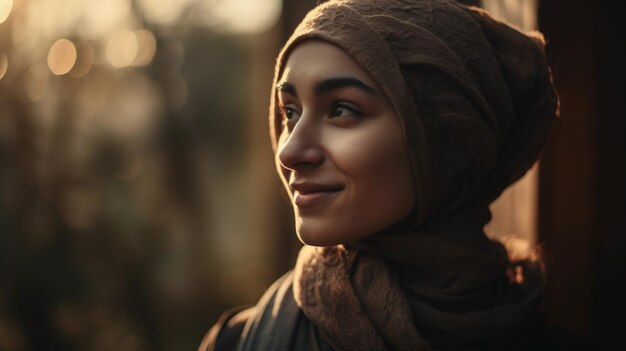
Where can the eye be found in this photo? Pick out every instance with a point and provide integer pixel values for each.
(289, 112)
(289, 116)
(344, 109)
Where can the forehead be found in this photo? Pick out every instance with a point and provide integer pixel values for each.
(317, 59)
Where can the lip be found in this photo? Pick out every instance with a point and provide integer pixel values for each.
(308, 194)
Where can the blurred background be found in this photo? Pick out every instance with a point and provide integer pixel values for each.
(138, 197)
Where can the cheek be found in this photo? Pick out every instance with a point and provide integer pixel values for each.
(375, 155)
(377, 167)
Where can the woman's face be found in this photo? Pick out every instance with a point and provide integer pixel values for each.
(341, 153)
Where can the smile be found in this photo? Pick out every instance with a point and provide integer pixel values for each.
(310, 194)
(311, 199)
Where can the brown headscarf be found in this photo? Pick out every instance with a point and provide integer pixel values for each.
(476, 102)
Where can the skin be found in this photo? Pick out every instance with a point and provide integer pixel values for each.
(341, 152)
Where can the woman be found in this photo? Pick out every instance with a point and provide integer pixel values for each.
(395, 123)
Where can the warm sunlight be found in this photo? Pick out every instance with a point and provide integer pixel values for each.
(515, 211)
(241, 16)
(5, 9)
(247, 15)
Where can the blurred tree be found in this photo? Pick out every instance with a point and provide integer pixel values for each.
(121, 181)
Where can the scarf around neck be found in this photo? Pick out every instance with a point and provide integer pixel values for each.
(476, 101)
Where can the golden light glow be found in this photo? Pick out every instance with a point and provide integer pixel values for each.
(84, 60)
(146, 47)
(5, 9)
(93, 19)
(4, 64)
(61, 57)
(515, 211)
(35, 82)
(241, 16)
(99, 18)
(522, 14)
(122, 48)
(245, 16)
(163, 11)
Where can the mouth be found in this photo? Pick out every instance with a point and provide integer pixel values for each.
(311, 194)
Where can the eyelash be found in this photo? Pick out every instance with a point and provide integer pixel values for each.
(353, 111)
(284, 110)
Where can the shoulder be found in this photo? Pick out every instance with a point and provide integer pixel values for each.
(241, 324)
(225, 334)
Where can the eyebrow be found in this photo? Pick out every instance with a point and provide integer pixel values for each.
(331, 84)
(288, 88)
(328, 85)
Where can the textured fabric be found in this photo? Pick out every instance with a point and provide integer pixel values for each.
(227, 335)
(360, 305)
(476, 102)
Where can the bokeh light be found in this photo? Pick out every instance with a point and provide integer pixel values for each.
(61, 57)
(122, 49)
(5, 9)
(146, 47)
(84, 60)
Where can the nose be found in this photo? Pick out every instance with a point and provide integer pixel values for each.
(301, 150)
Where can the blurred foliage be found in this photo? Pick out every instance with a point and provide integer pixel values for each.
(110, 184)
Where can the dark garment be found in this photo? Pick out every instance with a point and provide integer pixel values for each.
(277, 323)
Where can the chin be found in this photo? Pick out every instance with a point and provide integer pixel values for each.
(312, 239)
(325, 236)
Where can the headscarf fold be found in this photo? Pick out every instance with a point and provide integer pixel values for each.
(476, 102)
